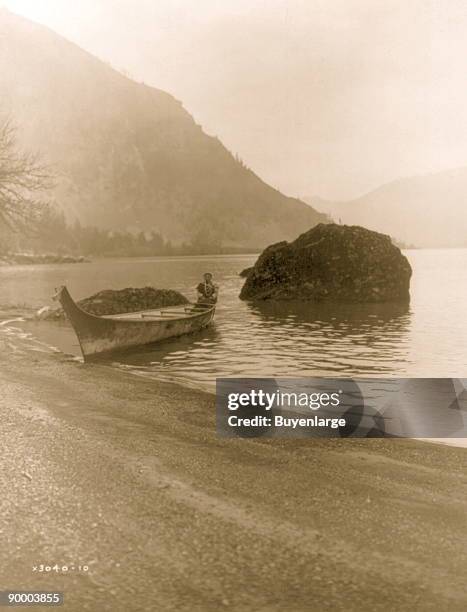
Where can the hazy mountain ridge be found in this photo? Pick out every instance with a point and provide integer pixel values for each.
(129, 156)
(426, 210)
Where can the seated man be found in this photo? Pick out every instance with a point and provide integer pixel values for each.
(207, 291)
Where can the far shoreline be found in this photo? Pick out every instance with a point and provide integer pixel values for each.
(54, 259)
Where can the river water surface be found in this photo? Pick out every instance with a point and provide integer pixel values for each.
(427, 338)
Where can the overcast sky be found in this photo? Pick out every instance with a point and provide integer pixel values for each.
(319, 97)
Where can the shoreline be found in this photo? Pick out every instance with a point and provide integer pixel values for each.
(129, 477)
(183, 383)
(52, 259)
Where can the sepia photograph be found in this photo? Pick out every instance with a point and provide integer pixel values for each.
(233, 289)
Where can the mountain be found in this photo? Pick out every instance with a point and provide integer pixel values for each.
(425, 211)
(128, 156)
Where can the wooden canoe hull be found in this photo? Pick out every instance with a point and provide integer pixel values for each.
(99, 336)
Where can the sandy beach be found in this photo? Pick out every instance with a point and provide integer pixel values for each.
(126, 477)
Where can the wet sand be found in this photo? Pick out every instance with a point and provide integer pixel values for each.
(127, 476)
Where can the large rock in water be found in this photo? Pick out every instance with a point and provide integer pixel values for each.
(124, 300)
(331, 262)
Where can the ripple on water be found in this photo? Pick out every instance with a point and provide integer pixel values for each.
(427, 338)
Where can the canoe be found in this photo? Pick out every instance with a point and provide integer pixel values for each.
(100, 335)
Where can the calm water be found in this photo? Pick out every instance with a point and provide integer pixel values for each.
(427, 338)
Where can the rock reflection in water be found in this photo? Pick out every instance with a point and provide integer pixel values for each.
(351, 338)
(350, 318)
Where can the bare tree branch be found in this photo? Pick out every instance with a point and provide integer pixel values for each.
(22, 179)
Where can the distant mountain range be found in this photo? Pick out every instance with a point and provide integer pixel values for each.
(424, 211)
(128, 156)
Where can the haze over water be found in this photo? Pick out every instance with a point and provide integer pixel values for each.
(425, 339)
